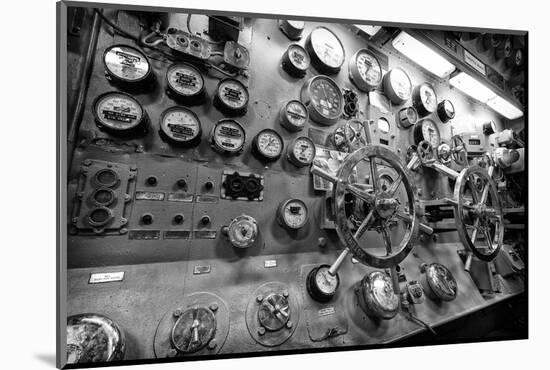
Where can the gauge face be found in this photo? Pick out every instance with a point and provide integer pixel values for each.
(269, 144)
(365, 70)
(180, 125)
(302, 151)
(399, 86)
(294, 115)
(185, 80)
(293, 213)
(425, 99)
(299, 57)
(325, 282)
(427, 130)
(126, 63)
(232, 94)
(327, 49)
(242, 231)
(228, 136)
(449, 108)
(118, 111)
(383, 125)
(325, 98)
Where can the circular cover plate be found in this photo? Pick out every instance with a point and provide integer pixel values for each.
(441, 282)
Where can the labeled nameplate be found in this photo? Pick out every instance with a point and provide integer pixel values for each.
(149, 195)
(205, 234)
(326, 311)
(144, 235)
(176, 234)
(201, 269)
(105, 277)
(180, 197)
(474, 62)
(206, 199)
(270, 263)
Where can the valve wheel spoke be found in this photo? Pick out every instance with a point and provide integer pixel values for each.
(488, 239)
(364, 225)
(374, 174)
(387, 240)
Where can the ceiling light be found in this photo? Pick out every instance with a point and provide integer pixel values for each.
(505, 108)
(422, 55)
(472, 87)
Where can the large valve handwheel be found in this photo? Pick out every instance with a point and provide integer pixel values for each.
(381, 201)
(459, 154)
(480, 216)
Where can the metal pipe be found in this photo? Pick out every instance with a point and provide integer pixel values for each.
(74, 126)
(336, 265)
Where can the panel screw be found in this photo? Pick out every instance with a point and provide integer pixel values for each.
(152, 181)
(182, 183)
(261, 330)
(147, 219)
(212, 344)
(178, 219)
(205, 220)
(208, 185)
(289, 324)
(123, 231)
(177, 313)
(214, 307)
(87, 162)
(322, 242)
(285, 294)
(259, 298)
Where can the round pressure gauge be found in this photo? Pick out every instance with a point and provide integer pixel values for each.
(424, 99)
(185, 83)
(426, 129)
(126, 65)
(242, 231)
(407, 117)
(376, 296)
(292, 29)
(119, 113)
(397, 86)
(231, 97)
(489, 127)
(296, 61)
(292, 214)
(301, 152)
(324, 99)
(445, 111)
(321, 284)
(268, 144)
(438, 282)
(365, 70)
(383, 125)
(180, 126)
(294, 115)
(228, 136)
(326, 50)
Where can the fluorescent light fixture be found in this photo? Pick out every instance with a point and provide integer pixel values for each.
(369, 30)
(505, 108)
(422, 55)
(472, 87)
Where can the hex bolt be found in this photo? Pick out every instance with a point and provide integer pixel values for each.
(205, 220)
(261, 330)
(322, 242)
(152, 181)
(285, 294)
(289, 324)
(182, 183)
(178, 219)
(209, 185)
(212, 344)
(147, 219)
(259, 298)
(214, 307)
(87, 162)
(177, 313)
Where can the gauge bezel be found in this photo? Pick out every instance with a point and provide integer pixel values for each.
(317, 62)
(139, 127)
(168, 137)
(288, 65)
(389, 91)
(419, 135)
(217, 147)
(403, 117)
(281, 214)
(292, 158)
(313, 289)
(179, 96)
(286, 123)
(259, 152)
(419, 103)
(314, 113)
(122, 79)
(222, 106)
(442, 111)
(355, 75)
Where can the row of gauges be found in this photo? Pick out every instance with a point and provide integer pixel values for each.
(127, 67)
(120, 113)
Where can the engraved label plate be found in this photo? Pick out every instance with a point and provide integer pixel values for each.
(205, 234)
(176, 234)
(149, 195)
(327, 311)
(144, 235)
(180, 197)
(270, 263)
(201, 269)
(206, 199)
(105, 277)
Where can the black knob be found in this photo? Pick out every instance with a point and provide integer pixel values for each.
(205, 220)
(152, 181)
(147, 219)
(208, 185)
(182, 183)
(178, 219)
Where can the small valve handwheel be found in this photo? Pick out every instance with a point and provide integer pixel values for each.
(479, 215)
(459, 154)
(383, 203)
(425, 152)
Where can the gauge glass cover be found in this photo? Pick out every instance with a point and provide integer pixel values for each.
(118, 111)
(325, 282)
(326, 97)
(233, 94)
(383, 125)
(327, 47)
(180, 124)
(303, 150)
(126, 63)
(296, 114)
(229, 135)
(185, 79)
(428, 98)
(269, 143)
(294, 213)
(299, 57)
(400, 83)
(369, 68)
(430, 132)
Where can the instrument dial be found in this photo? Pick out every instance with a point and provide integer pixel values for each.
(446, 111)
(321, 284)
(180, 126)
(397, 86)
(268, 144)
(365, 70)
(292, 214)
(427, 130)
(326, 50)
(324, 99)
(383, 125)
(296, 61)
(301, 152)
(424, 99)
(232, 96)
(126, 64)
(185, 82)
(118, 112)
(228, 136)
(294, 115)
